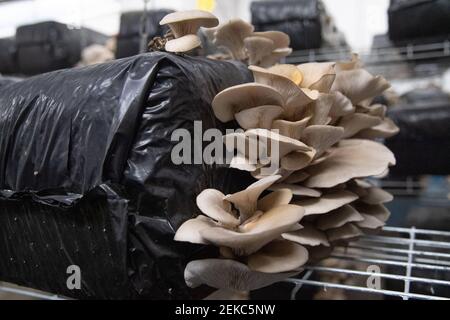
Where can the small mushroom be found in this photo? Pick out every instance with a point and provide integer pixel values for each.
(378, 211)
(257, 48)
(246, 201)
(297, 160)
(245, 96)
(354, 123)
(288, 71)
(295, 97)
(231, 36)
(339, 217)
(291, 129)
(190, 230)
(386, 129)
(359, 85)
(229, 274)
(376, 196)
(321, 138)
(184, 26)
(318, 76)
(278, 256)
(280, 39)
(296, 190)
(320, 109)
(308, 236)
(275, 57)
(347, 232)
(211, 203)
(259, 117)
(255, 233)
(370, 222)
(354, 63)
(341, 105)
(327, 202)
(350, 159)
(275, 199)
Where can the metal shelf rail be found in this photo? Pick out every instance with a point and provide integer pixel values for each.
(417, 260)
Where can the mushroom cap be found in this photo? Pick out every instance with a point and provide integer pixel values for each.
(258, 117)
(341, 105)
(280, 39)
(321, 138)
(188, 22)
(339, 217)
(327, 202)
(359, 85)
(231, 35)
(288, 71)
(318, 76)
(278, 256)
(354, 63)
(308, 236)
(274, 199)
(296, 177)
(386, 129)
(291, 129)
(370, 222)
(258, 48)
(346, 232)
(297, 160)
(244, 96)
(211, 203)
(183, 44)
(229, 274)
(295, 97)
(354, 123)
(352, 158)
(376, 196)
(297, 190)
(285, 145)
(378, 211)
(246, 201)
(190, 230)
(275, 57)
(257, 232)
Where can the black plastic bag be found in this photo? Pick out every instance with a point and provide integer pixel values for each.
(86, 176)
(8, 62)
(299, 19)
(129, 38)
(49, 46)
(409, 19)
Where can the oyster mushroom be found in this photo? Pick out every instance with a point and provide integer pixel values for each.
(259, 117)
(321, 138)
(354, 123)
(231, 36)
(245, 96)
(275, 57)
(280, 39)
(350, 159)
(339, 217)
(327, 202)
(347, 232)
(184, 26)
(291, 129)
(229, 274)
(257, 48)
(275, 199)
(309, 236)
(318, 76)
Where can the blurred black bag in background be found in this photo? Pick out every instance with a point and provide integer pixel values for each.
(409, 19)
(129, 38)
(8, 57)
(86, 176)
(49, 46)
(300, 19)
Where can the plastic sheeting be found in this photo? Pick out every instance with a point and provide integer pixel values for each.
(422, 146)
(86, 176)
(129, 38)
(57, 45)
(299, 19)
(8, 63)
(409, 19)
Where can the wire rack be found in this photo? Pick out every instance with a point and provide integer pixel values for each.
(412, 263)
(409, 263)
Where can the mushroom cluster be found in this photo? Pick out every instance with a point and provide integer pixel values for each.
(257, 48)
(252, 232)
(184, 26)
(323, 122)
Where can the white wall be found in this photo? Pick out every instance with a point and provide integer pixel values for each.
(359, 19)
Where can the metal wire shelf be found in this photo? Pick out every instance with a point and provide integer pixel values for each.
(418, 259)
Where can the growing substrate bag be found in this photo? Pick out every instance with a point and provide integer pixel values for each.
(86, 176)
(129, 38)
(8, 63)
(423, 144)
(300, 19)
(409, 19)
(49, 46)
